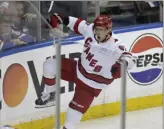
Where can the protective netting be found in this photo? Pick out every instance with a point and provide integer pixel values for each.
(22, 25)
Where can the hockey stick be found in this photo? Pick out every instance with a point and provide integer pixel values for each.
(51, 5)
(57, 43)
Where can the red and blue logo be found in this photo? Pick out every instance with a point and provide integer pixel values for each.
(149, 52)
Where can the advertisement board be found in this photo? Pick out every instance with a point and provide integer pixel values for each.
(22, 81)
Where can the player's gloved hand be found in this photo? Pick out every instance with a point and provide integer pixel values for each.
(129, 59)
(54, 20)
(116, 71)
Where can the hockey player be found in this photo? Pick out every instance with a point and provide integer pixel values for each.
(96, 69)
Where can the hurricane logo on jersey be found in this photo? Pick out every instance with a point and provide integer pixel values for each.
(149, 52)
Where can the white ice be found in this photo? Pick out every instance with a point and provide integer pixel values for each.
(141, 119)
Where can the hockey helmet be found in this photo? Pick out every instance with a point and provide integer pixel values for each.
(102, 27)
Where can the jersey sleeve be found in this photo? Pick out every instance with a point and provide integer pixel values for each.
(121, 53)
(77, 25)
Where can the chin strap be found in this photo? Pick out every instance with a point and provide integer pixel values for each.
(107, 37)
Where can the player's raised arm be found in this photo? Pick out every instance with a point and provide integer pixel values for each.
(75, 24)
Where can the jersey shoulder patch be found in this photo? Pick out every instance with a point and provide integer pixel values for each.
(121, 47)
(115, 40)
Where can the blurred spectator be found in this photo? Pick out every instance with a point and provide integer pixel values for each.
(10, 38)
(23, 20)
(4, 7)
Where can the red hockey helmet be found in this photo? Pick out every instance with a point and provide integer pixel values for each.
(103, 21)
(102, 27)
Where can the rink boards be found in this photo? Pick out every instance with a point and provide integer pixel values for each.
(21, 79)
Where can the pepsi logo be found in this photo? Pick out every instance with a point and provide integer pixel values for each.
(149, 52)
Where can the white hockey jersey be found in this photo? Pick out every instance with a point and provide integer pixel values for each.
(97, 59)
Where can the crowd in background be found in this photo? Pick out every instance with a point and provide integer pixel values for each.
(20, 24)
(14, 27)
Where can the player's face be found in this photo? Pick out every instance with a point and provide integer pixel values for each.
(101, 32)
